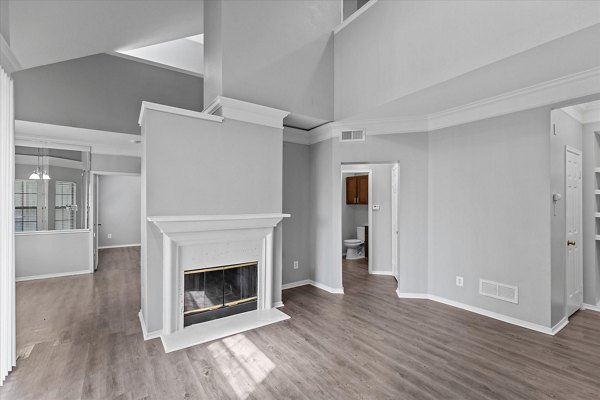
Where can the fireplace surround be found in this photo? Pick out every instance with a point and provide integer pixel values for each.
(205, 247)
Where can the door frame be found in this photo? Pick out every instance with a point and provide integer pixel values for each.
(395, 232)
(92, 211)
(360, 170)
(579, 153)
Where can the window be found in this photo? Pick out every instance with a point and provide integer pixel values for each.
(65, 205)
(26, 205)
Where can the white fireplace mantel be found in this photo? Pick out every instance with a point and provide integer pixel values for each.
(211, 240)
(198, 223)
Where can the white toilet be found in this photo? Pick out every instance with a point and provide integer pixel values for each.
(354, 247)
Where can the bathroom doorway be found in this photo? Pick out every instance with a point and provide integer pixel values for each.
(369, 218)
(357, 214)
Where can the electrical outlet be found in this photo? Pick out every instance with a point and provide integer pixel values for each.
(295, 264)
(110, 235)
(459, 281)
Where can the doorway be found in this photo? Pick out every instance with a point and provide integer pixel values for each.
(379, 210)
(114, 213)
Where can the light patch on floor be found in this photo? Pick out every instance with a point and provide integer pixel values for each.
(242, 363)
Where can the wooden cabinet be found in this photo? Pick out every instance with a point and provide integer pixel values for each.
(357, 189)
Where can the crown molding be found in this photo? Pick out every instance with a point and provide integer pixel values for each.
(8, 60)
(246, 112)
(146, 105)
(555, 91)
(546, 93)
(100, 142)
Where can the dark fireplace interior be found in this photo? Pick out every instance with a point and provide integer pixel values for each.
(219, 292)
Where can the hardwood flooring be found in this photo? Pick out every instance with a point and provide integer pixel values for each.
(79, 337)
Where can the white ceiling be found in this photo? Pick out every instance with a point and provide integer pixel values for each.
(183, 55)
(48, 31)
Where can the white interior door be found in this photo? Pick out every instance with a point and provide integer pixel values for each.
(395, 175)
(573, 207)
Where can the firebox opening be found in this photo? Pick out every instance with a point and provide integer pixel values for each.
(219, 292)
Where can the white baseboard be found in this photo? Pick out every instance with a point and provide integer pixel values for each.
(591, 307)
(558, 327)
(278, 304)
(59, 275)
(313, 283)
(412, 295)
(389, 273)
(295, 284)
(486, 313)
(120, 245)
(147, 335)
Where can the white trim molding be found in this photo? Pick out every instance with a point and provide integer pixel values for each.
(118, 246)
(58, 275)
(313, 283)
(146, 105)
(147, 335)
(246, 112)
(591, 307)
(547, 93)
(7, 227)
(278, 304)
(387, 273)
(8, 60)
(486, 313)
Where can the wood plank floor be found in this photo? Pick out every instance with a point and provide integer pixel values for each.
(79, 337)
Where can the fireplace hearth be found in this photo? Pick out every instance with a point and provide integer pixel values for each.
(212, 293)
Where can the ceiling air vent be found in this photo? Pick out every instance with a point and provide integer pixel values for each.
(499, 291)
(352, 136)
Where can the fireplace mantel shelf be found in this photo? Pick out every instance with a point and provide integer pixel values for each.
(197, 223)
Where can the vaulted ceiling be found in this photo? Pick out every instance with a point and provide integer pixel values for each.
(45, 32)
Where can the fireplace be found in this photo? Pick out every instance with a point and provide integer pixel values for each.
(217, 292)
(216, 266)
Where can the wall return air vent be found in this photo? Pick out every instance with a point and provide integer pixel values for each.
(499, 291)
(353, 136)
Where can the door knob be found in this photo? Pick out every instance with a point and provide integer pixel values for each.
(571, 243)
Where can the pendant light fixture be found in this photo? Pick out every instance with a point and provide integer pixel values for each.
(36, 171)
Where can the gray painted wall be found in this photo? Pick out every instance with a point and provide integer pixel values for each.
(591, 160)
(296, 201)
(568, 133)
(195, 167)
(489, 212)
(100, 92)
(51, 254)
(113, 163)
(119, 210)
(5, 21)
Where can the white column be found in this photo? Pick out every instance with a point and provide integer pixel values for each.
(170, 286)
(7, 246)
